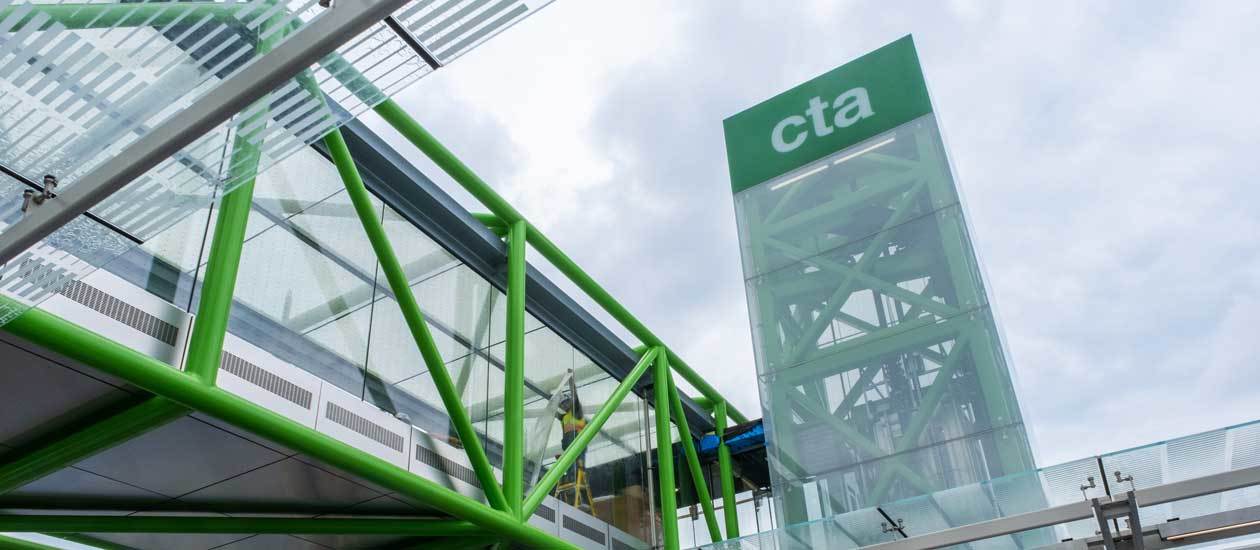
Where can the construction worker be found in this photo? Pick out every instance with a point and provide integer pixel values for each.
(572, 422)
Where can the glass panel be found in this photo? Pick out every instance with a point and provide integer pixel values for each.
(847, 197)
(911, 276)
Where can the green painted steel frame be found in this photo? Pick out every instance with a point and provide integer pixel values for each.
(177, 393)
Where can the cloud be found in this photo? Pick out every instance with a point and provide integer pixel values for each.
(1105, 152)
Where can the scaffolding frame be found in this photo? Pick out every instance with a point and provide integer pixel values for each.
(177, 393)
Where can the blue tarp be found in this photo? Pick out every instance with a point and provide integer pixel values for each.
(739, 438)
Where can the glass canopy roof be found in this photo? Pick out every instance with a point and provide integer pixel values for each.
(82, 81)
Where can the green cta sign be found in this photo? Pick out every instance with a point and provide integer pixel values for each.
(874, 93)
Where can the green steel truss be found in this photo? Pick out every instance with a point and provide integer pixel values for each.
(870, 308)
(176, 393)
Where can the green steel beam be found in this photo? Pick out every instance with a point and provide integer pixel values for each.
(584, 437)
(79, 344)
(693, 463)
(24, 523)
(726, 474)
(398, 282)
(393, 114)
(514, 373)
(665, 453)
(919, 420)
(78, 444)
(834, 302)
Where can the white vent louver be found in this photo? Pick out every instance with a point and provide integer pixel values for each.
(260, 377)
(362, 425)
(116, 309)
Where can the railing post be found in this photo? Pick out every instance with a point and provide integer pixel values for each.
(514, 373)
(665, 451)
(693, 463)
(725, 473)
(414, 317)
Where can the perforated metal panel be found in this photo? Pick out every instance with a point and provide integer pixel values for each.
(441, 462)
(544, 517)
(621, 540)
(250, 372)
(125, 313)
(580, 528)
(362, 425)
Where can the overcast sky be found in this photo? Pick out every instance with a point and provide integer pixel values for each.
(1107, 154)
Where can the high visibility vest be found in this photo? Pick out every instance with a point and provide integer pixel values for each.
(572, 424)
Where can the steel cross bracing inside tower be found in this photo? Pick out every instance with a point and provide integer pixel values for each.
(144, 402)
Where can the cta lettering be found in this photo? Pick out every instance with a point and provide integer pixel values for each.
(849, 107)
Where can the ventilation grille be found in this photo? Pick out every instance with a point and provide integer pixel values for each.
(266, 380)
(449, 467)
(618, 545)
(546, 512)
(121, 311)
(367, 428)
(585, 530)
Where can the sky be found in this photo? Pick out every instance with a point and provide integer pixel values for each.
(1106, 153)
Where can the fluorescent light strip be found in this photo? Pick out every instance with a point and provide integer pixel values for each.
(788, 182)
(856, 154)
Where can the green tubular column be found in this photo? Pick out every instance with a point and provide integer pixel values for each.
(414, 317)
(393, 114)
(87, 441)
(96, 16)
(665, 452)
(585, 436)
(726, 474)
(514, 373)
(79, 344)
(205, 345)
(693, 463)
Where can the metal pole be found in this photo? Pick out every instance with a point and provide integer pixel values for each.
(414, 317)
(585, 436)
(665, 452)
(514, 373)
(393, 114)
(79, 344)
(726, 475)
(693, 464)
(227, 524)
(346, 19)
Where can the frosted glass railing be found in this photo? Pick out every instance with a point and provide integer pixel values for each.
(79, 82)
(1159, 463)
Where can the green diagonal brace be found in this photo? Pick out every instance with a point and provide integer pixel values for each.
(414, 317)
(112, 358)
(693, 463)
(88, 440)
